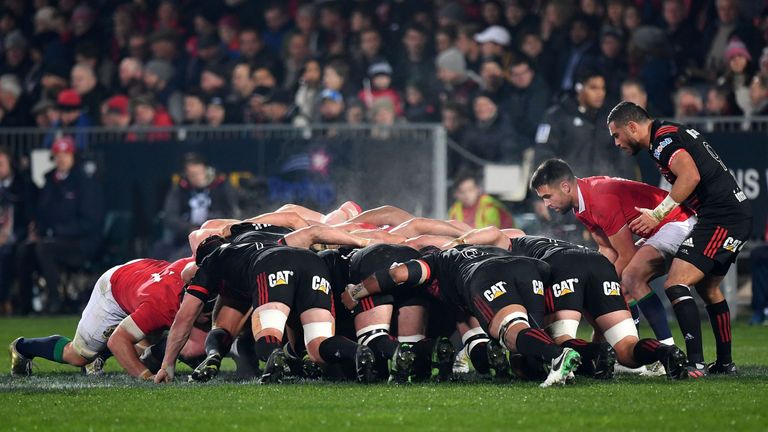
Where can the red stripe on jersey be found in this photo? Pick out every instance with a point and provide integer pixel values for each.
(665, 130)
(199, 289)
(675, 154)
(482, 308)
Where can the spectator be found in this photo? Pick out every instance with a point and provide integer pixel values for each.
(130, 77)
(493, 41)
(688, 103)
(469, 47)
(454, 120)
(612, 63)
(43, 114)
(633, 91)
(419, 108)
(493, 82)
(682, 38)
(13, 110)
(335, 76)
(138, 46)
(532, 46)
(476, 208)
(158, 79)
(721, 102)
(366, 55)
(210, 54)
(146, 113)
(16, 54)
(254, 52)
(199, 195)
(758, 95)
(116, 113)
(213, 80)
(450, 13)
(297, 54)
(279, 108)
(519, 18)
(216, 113)
(67, 228)
(574, 130)
(331, 108)
(650, 58)
(163, 45)
(415, 61)
(492, 137)
(729, 23)
(355, 113)
(456, 84)
(255, 111)
(87, 54)
(306, 25)
(308, 90)
(243, 87)
(228, 28)
(69, 114)
(55, 78)
(383, 116)
(18, 197)
(739, 74)
(580, 52)
(445, 38)
(194, 108)
(278, 25)
(380, 76)
(492, 13)
(614, 15)
(529, 99)
(91, 93)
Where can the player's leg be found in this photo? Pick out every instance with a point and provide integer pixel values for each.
(647, 263)
(228, 318)
(474, 342)
(720, 319)
(682, 276)
(372, 324)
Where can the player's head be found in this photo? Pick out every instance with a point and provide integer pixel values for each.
(554, 182)
(628, 125)
(207, 247)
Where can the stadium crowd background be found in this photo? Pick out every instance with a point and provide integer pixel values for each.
(489, 71)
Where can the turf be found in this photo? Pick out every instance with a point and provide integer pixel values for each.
(58, 398)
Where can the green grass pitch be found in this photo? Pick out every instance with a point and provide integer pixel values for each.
(57, 398)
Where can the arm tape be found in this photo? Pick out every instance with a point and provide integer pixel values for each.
(664, 208)
(418, 272)
(386, 283)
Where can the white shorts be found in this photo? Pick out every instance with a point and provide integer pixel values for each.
(668, 239)
(101, 316)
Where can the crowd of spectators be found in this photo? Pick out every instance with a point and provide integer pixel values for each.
(488, 69)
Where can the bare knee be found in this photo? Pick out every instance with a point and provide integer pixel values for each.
(633, 283)
(72, 357)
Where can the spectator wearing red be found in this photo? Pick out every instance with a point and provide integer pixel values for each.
(378, 87)
(146, 113)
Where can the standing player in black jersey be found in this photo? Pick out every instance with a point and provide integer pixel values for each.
(277, 282)
(702, 182)
(489, 287)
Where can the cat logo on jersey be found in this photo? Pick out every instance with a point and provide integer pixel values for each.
(279, 278)
(496, 291)
(321, 284)
(732, 245)
(538, 287)
(564, 287)
(611, 288)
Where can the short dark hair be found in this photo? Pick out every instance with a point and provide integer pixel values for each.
(464, 175)
(192, 158)
(626, 112)
(551, 171)
(634, 82)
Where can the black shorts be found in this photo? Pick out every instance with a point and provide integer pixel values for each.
(584, 282)
(712, 247)
(295, 277)
(499, 284)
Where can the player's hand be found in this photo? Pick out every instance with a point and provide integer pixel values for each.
(347, 299)
(163, 377)
(645, 223)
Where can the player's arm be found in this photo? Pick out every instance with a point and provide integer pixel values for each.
(604, 245)
(427, 240)
(688, 177)
(121, 344)
(384, 215)
(624, 246)
(483, 236)
(306, 237)
(417, 226)
(182, 325)
(284, 219)
(409, 274)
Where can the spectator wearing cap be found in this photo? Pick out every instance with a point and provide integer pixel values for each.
(279, 108)
(580, 53)
(739, 73)
(91, 93)
(415, 61)
(469, 47)
(116, 112)
(13, 111)
(331, 107)
(158, 79)
(199, 195)
(493, 41)
(146, 113)
(492, 136)
(216, 113)
(69, 115)
(456, 84)
(378, 87)
(254, 52)
(18, 198)
(529, 99)
(194, 108)
(67, 226)
(130, 77)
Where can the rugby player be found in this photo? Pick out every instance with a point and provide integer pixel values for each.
(606, 206)
(490, 287)
(273, 280)
(129, 302)
(584, 282)
(701, 181)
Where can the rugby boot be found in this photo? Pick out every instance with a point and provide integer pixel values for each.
(718, 368)
(674, 363)
(442, 360)
(20, 365)
(365, 364)
(562, 366)
(206, 370)
(696, 370)
(96, 367)
(274, 368)
(401, 364)
(498, 361)
(605, 362)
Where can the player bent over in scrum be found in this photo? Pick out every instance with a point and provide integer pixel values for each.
(275, 281)
(584, 282)
(488, 286)
(128, 303)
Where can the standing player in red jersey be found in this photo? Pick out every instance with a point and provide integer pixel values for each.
(607, 206)
(128, 302)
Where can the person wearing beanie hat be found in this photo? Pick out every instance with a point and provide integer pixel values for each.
(378, 87)
(452, 73)
(158, 78)
(739, 73)
(216, 113)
